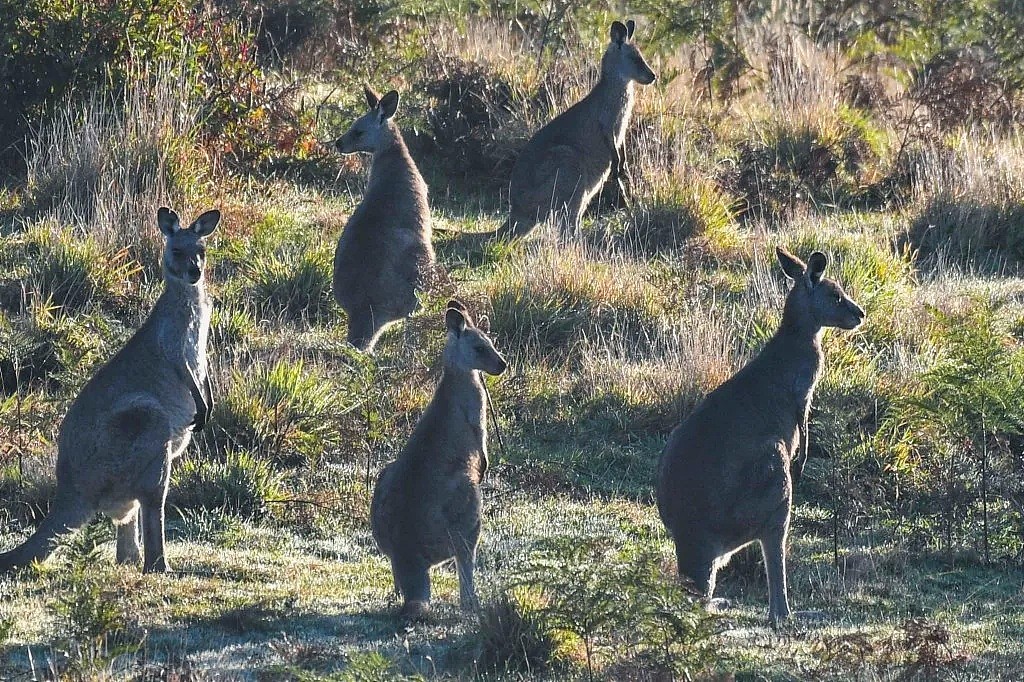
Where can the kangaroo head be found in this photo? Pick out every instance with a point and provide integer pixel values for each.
(817, 299)
(468, 347)
(366, 133)
(185, 250)
(622, 59)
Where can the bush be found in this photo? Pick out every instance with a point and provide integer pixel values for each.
(970, 199)
(296, 283)
(55, 49)
(618, 604)
(954, 435)
(284, 412)
(513, 638)
(68, 269)
(239, 484)
(790, 168)
(555, 297)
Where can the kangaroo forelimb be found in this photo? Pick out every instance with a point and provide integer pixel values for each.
(199, 396)
(801, 453)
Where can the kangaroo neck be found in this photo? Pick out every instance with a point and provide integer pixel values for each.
(612, 98)
(463, 392)
(390, 158)
(182, 320)
(794, 357)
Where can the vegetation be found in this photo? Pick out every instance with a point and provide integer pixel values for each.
(886, 135)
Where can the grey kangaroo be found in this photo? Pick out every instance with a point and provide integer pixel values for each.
(384, 254)
(426, 506)
(726, 476)
(568, 160)
(137, 414)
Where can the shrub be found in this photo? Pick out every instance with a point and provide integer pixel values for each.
(469, 106)
(952, 435)
(56, 49)
(512, 635)
(789, 168)
(240, 484)
(970, 201)
(71, 270)
(285, 411)
(296, 283)
(554, 298)
(619, 605)
(103, 164)
(679, 209)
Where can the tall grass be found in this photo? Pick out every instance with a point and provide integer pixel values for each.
(104, 163)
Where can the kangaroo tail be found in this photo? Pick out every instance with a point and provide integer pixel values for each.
(66, 515)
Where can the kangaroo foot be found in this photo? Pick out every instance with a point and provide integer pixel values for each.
(718, 605)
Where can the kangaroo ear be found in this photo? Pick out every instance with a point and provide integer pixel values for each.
(791, 265)
(630, 27)
(455, 320)
(816, 266)
(168, 221)
(389, 105)
(206, 223)
(618, 32)
(372, 98)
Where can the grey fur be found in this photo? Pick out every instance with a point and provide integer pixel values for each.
(568, 160)
(384, 254)
(426, 505)
(137, 414)
(727, 473)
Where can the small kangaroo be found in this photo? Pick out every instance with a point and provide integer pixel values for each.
(137, 414)
(384, 253)
(568, 160)
(426, 506)
(726, 476)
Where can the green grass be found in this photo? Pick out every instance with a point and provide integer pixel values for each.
(611, 342)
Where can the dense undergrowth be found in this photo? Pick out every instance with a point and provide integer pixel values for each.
(889, 140)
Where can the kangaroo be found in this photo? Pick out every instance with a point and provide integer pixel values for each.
(726, 476)
(567, 161)
(426, 505)
(137, 414)
(384, 253)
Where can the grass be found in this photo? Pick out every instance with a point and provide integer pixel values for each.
(611, 341)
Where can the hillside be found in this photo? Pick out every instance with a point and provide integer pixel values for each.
(887, 137)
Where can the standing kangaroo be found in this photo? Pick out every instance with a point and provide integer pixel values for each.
(568, 160)
(137, 414)
(384, 253)
(426, 506)
(727, 473)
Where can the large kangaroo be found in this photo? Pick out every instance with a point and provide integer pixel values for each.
(727, 473)
(384, 253)
(568, 160)
(137, 414)
(426, 506)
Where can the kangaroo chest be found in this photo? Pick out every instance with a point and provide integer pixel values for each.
(613, 116)
(183, 339)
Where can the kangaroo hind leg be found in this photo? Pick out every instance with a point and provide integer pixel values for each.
(412, 576)
(129, 534)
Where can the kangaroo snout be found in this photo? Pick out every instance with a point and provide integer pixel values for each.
(498, 366)
(857, 316)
